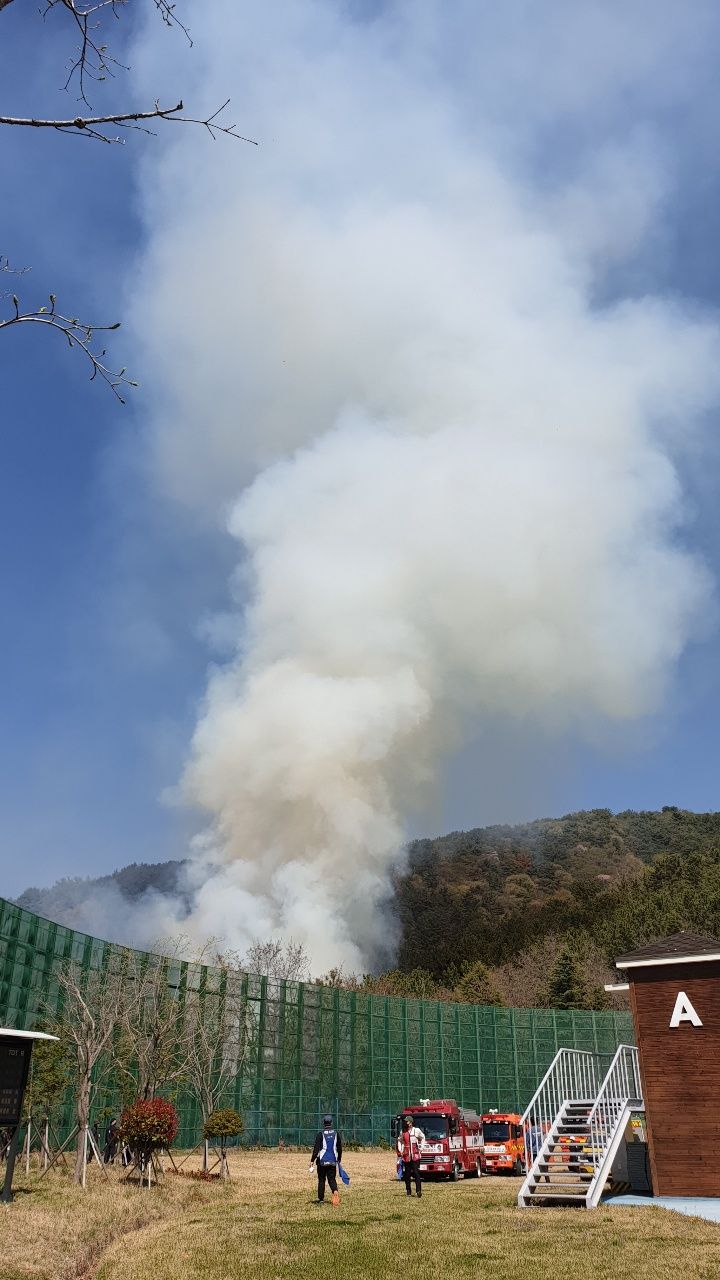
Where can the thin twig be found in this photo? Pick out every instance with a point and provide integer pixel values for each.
(78, 334)
(7, 269)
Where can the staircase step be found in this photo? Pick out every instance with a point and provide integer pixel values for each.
(577, 1168)
(561, 1155)
(579, 1192)
(565, 1180)
(568, 1143)
(562, 1188)
(554, 1195)
(563, 1166)
(559, 1189)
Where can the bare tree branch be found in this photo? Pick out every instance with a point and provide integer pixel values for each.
(274, 958)
(151, 1050)
(78, 334)
(94, 62)
(220, 1032)
(87, 126)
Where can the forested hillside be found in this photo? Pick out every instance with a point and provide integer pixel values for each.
(529, 915)
(591, 884)
(483, 894)
(61, 901)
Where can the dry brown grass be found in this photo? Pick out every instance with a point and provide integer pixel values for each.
(265, 1224)
(55, 1231)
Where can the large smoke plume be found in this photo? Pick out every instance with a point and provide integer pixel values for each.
(389, 349)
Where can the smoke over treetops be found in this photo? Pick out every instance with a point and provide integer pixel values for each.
(379, 343)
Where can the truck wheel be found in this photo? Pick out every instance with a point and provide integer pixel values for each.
(476, 1171)
(455, 1175)
(517, 1168)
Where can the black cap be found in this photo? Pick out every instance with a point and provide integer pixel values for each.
(327, 1120)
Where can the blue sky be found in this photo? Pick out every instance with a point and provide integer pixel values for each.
(108, 577)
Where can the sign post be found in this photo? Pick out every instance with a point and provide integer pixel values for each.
(15, 1053)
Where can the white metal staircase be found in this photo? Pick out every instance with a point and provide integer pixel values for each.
(574, 1126)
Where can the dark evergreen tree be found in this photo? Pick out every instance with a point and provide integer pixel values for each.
(567, 986)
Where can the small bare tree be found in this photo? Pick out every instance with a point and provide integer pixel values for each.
(152, 1049)
(219, 1035)
(275, 959)
(94, 1004)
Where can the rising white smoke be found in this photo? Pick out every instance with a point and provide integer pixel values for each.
(464, 503)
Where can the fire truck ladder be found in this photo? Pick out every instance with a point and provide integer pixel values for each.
(583, 1116)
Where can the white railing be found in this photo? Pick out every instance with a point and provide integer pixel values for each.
(620, 1090)
(573, 1076)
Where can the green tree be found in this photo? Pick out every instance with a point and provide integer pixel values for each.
(49, 1078)
(475, 986)
(418, 984)
(567, 986)
(222, 1125)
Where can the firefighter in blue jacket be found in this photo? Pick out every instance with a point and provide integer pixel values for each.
(326, 1156)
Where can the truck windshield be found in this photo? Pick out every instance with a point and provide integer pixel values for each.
(496, 1131)
(435, 1128)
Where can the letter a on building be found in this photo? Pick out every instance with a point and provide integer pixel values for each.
(684, 1012)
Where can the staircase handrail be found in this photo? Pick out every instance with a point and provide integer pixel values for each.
(585, 1053)
(617, 1080)
(571, 1077)
(620, 1088)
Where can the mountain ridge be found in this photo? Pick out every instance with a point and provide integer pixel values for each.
(506, 900)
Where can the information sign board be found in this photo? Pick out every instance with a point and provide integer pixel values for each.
(15, 1051)
(14, 1064)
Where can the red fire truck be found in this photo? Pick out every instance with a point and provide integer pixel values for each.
(453, 1137)
(503, 1142)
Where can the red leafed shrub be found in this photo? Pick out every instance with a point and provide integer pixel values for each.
(148, 1125)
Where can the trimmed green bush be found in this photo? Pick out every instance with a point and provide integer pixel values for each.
(223, 1124)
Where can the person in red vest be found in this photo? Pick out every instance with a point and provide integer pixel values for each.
(408, 1146)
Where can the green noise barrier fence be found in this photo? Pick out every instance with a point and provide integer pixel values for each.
(317, 1049)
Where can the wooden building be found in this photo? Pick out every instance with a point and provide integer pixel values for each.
(675, 997)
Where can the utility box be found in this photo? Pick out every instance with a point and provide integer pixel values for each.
(638, 1170)
(674, 989)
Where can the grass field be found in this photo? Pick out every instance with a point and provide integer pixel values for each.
(264, 1224)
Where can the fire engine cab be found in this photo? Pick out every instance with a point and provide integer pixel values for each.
(453, 1137)
(503, 1142)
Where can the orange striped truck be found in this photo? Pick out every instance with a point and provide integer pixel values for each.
(503, 1143)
